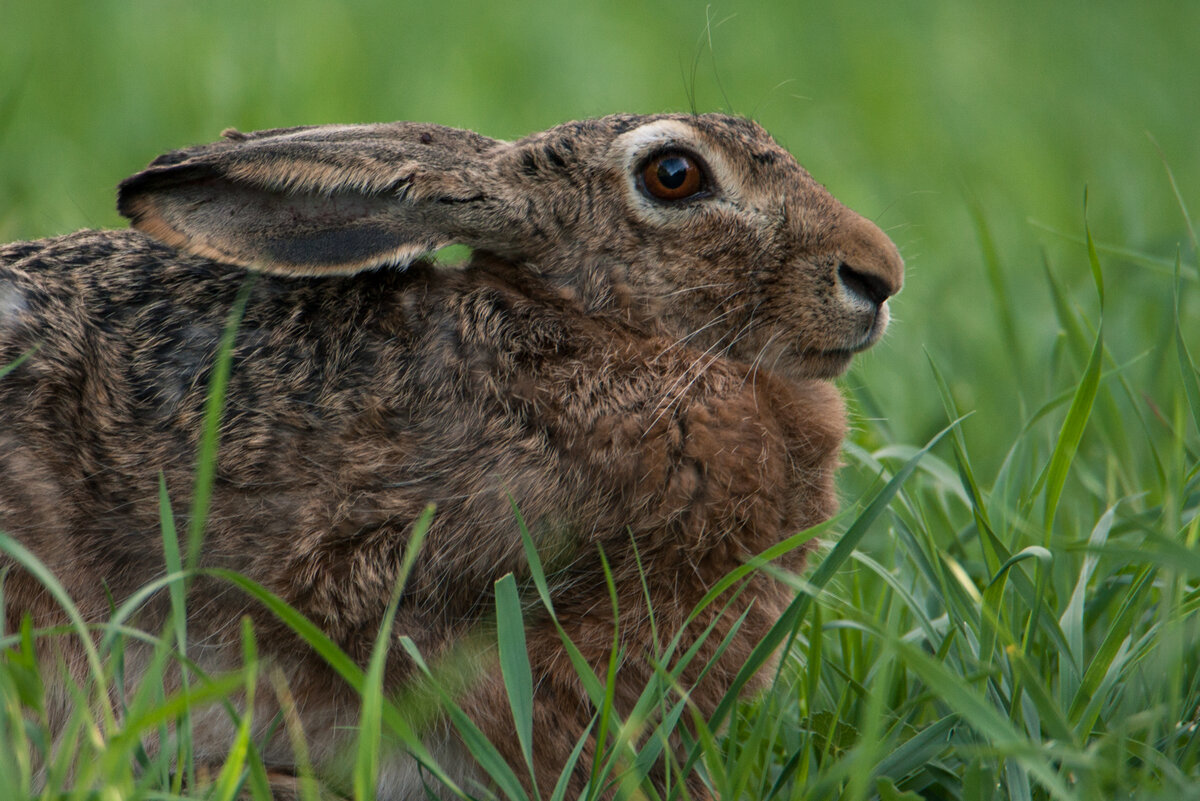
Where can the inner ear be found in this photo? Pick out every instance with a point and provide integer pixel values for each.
(299, 233)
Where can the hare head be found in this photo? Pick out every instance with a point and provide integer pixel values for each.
(700, 226)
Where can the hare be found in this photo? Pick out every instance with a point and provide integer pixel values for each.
(637, 355)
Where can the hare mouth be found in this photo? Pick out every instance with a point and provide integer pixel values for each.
(832, 362)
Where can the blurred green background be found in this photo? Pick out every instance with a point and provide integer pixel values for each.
(926, 117)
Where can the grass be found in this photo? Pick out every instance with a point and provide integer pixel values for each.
(1013, 615)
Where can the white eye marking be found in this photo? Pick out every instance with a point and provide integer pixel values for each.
(631, 149)
(639, 142)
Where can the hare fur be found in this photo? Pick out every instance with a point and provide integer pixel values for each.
(637, 371)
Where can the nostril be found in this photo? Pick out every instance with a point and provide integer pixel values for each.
(869, 287)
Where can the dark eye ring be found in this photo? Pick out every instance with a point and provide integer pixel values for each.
(673, 176)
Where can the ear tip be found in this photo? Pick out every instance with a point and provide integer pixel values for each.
(163, 172)
(134, 193)
(130, 200)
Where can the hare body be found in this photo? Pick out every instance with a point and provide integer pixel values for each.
(635, 372)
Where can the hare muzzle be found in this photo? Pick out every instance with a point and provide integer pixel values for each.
(868, 273)
(836, 286)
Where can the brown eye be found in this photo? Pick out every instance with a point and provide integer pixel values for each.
(673, 176)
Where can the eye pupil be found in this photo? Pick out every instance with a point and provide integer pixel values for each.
(672, 172)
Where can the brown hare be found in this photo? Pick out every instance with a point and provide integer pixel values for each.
(636, 355)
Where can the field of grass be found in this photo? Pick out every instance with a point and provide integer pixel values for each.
(1012, 615)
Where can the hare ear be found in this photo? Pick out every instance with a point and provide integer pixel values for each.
(317, 200)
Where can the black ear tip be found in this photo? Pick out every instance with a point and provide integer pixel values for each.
(129, 192)
(156, 177)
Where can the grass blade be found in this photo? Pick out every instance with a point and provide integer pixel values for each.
(1098, 669)
(15, 363)
(480, 748)
(1187, 366)
(591, 683)
(998, 284)
(1071, 622)
(342, 664)
(229, 781)
(34, 566)
(1081, 409)
(514, 663)
(366, 765)
(206, 454)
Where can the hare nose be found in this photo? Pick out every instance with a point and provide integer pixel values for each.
(864, 285)
(869, 269)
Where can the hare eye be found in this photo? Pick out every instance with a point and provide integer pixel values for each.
(673, 176)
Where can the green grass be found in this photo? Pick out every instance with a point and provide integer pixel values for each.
(1014, 615)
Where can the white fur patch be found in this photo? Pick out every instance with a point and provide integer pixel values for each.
(12, 303)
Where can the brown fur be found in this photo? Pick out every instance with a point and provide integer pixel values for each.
(626, 370)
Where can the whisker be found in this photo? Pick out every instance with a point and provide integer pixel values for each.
(670, 400)
(686, 289)
(716, 319)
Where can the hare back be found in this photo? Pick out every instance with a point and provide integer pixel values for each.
(353, 402)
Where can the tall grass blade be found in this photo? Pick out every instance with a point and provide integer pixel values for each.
(991, 624)
(1072, 620)
(1187, 218)
(1081, 408)
(591, 683)
(481, 749)
(998, 284)
(607, 713)
(914, 754)
(337, 659)
(206, 454)
(514, 663)
(366, 766)
(1073, 330)
(1187, 366)
(966, 472)
(1156, 263)
(178, 624)
(1084, 708)
(34, 566)
(229, 781)
(564, 778)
